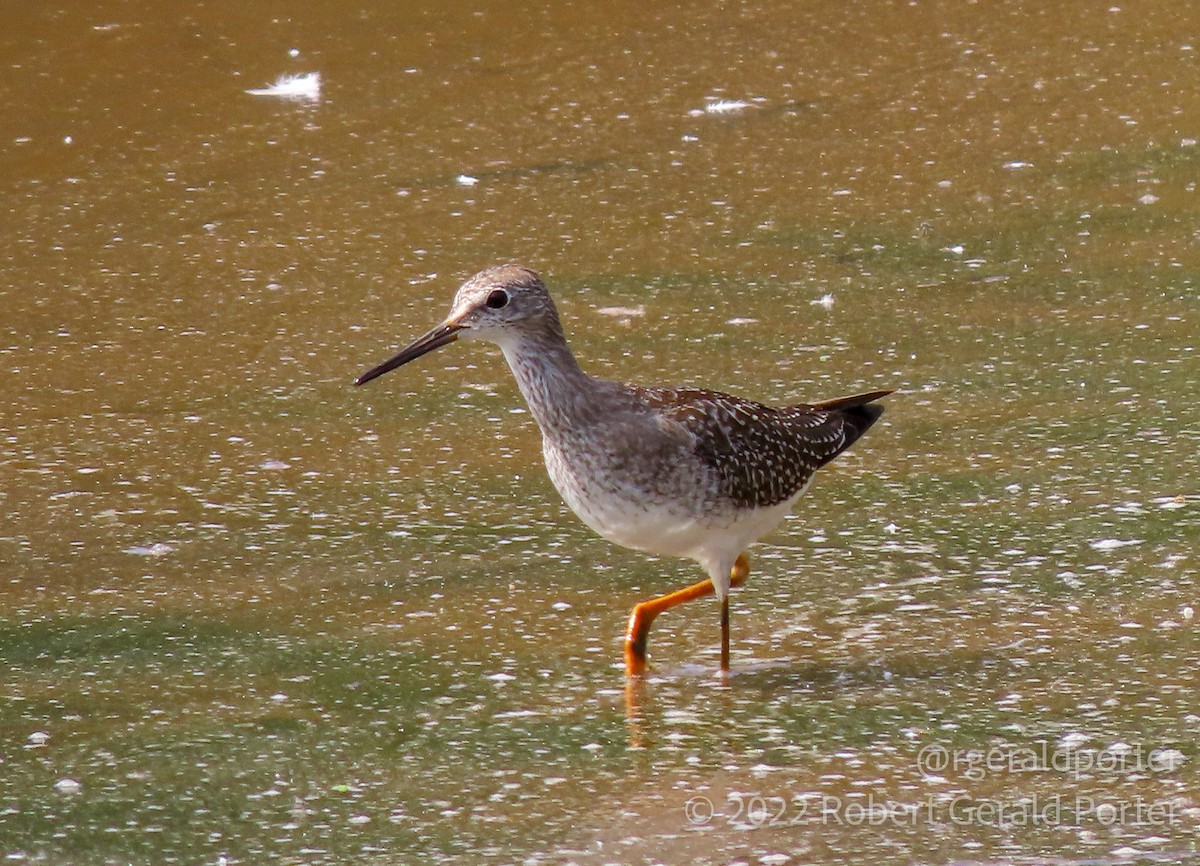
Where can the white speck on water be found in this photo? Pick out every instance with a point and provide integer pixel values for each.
(518, 714)
(279, 697)
(1018, 164)
(159, 548)
(358, 820)
(1148, 198)
(1073, 740)
(681, 717)
(1187, 611)
(1170, 503)
(1071, 579)
(825, 301)
(38, 738)
(619, 312)
(561, 605)
(273, 464)
(957, 249)
(68, 786)
(87, 470)
(592, 747)
(1166, 760)
(724, 106)
(1126, 851)
(740, 320)
(1114, 543)
(501, 678)
(891, 529)
(466, 180)
(306, 86)
(293, 52)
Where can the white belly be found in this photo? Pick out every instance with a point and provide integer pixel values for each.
(664, 525)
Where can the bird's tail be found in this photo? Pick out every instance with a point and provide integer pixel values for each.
(858, 413)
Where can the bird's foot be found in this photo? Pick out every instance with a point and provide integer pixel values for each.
(637, 638)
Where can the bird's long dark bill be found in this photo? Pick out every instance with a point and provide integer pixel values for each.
(438, 337)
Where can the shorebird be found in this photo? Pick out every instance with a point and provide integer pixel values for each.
(671, 471)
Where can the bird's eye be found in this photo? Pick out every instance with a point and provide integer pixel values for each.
(497, 299)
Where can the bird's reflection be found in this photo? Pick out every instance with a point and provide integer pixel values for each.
(640, 699)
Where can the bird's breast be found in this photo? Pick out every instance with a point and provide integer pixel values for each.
(655, 499)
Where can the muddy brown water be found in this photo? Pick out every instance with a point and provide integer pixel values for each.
(249, 613)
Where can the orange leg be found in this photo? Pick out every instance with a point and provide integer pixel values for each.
(638, 634)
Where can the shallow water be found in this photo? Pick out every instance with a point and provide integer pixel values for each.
(251, 613)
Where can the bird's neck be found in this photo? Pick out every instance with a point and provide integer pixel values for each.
(558, 392)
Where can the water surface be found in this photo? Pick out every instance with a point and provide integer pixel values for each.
(249, 613)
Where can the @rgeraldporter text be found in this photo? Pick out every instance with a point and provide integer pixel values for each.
(1077, 762)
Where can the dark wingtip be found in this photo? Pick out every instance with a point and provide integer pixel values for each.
(859, 420)
(854, 400)
(858, 413)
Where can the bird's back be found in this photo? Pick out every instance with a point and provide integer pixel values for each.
(762, 455)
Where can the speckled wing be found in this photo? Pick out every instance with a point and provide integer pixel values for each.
(764, 456)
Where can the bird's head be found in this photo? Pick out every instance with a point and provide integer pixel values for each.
(499, 304)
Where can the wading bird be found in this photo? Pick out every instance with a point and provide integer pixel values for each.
(672, 471)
